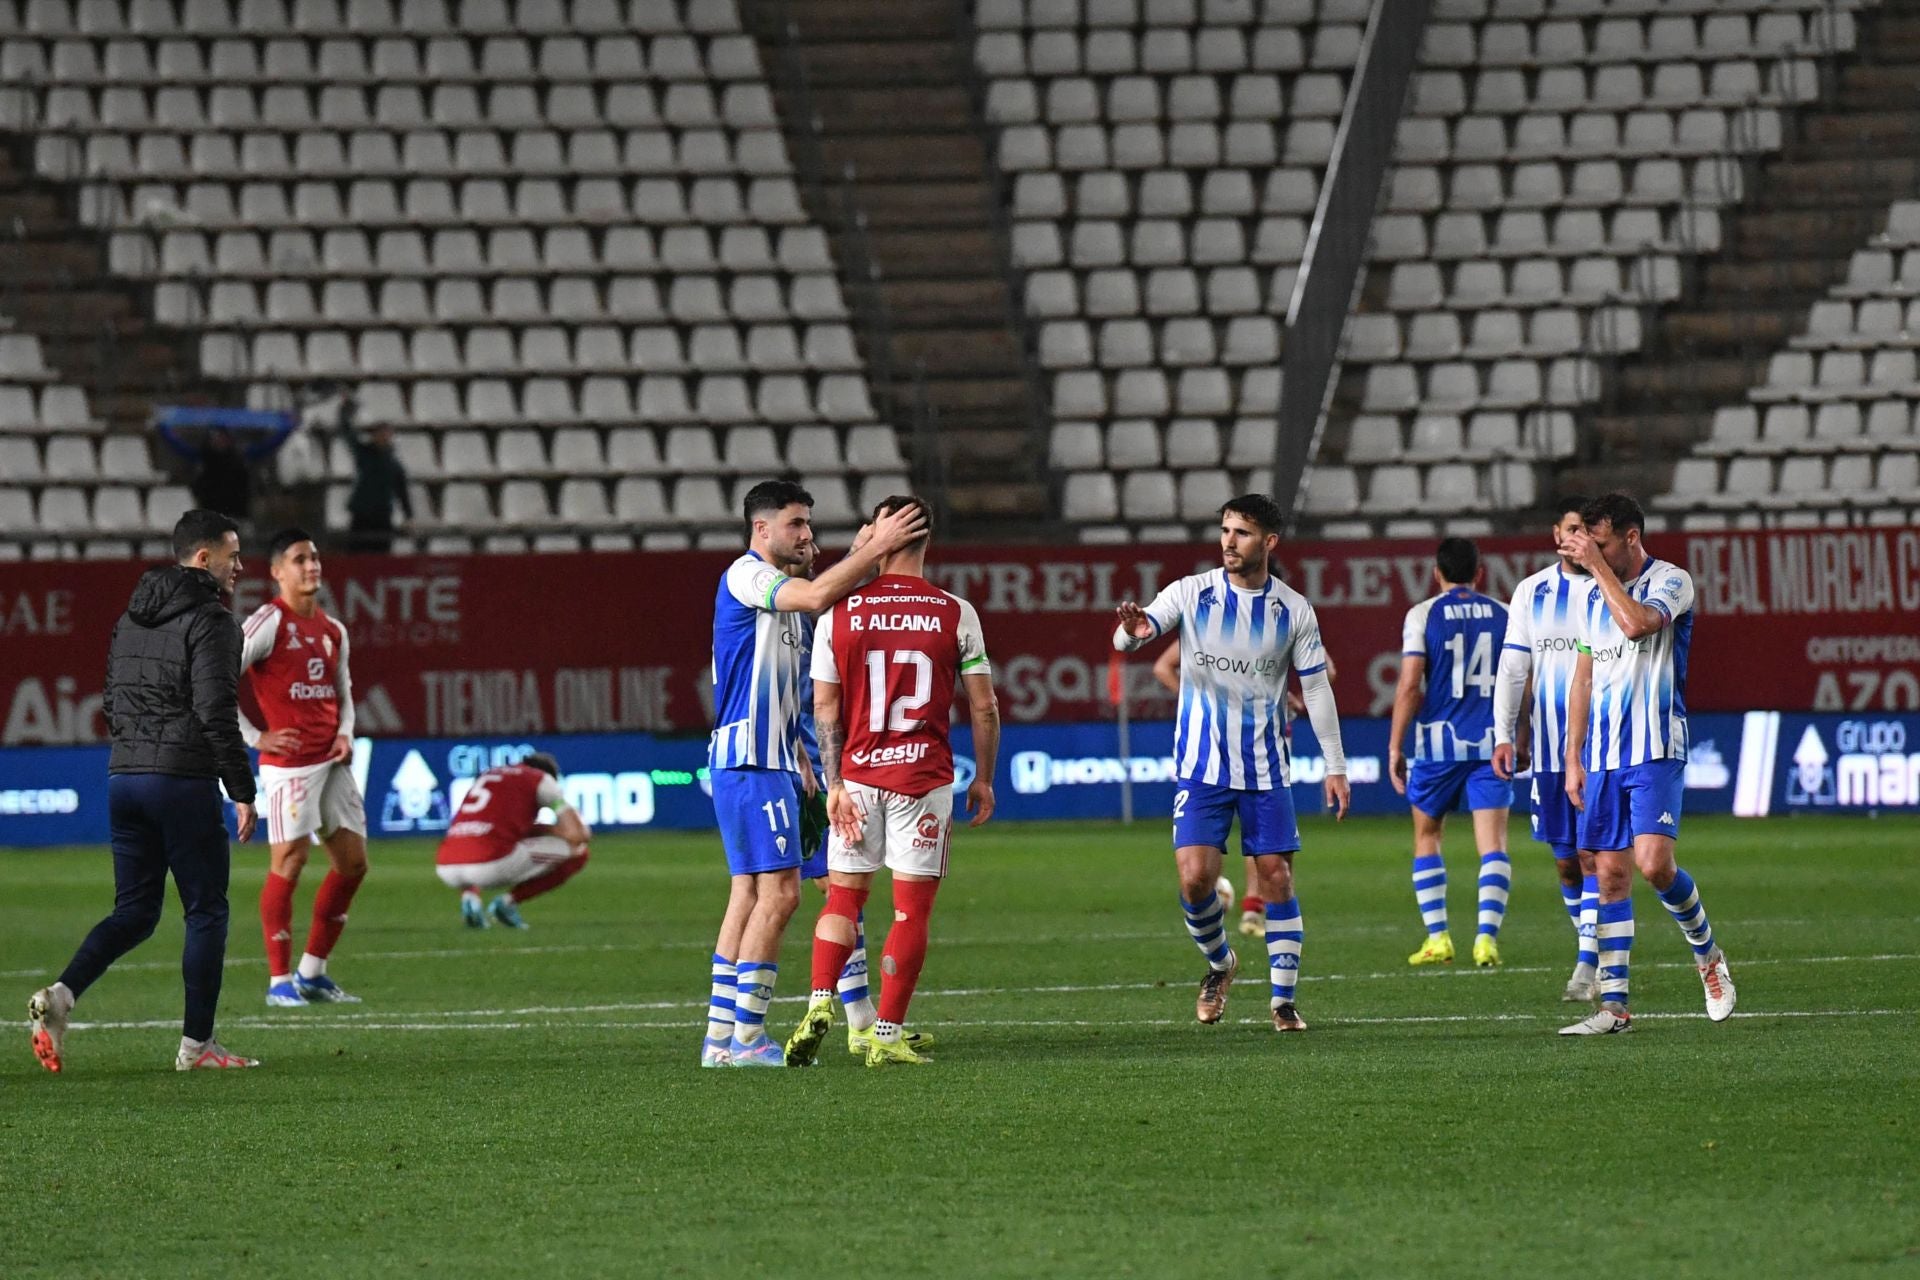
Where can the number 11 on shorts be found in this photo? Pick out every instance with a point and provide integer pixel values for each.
(773, 823)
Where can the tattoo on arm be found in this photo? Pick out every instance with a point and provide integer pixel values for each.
(832, 739)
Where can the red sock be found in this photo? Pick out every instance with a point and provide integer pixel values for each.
(551, 879)
(829, 958)
(330, 912)
(276, 923)
(1252, 902)
(906, 948)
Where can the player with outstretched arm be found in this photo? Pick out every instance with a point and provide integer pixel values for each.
(1242, 630)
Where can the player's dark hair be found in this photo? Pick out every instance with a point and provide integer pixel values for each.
(1618, 510)
(543, 761)
(1458, 560)
(1574, 502)
(902, 502)
(772, 495)
(200, 528)
(1258, 508)
(284, 541)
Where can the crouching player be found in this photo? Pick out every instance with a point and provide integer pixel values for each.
(885, 661)
(497, 841)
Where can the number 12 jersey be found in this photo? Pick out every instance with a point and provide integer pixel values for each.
(896, 647)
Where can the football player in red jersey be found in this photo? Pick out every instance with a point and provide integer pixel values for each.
(295, 660)
(497, 840)
(885, 662)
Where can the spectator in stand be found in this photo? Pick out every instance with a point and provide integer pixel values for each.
(379, 480)
(223, 467)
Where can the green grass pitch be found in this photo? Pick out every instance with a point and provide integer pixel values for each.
(528, 1103)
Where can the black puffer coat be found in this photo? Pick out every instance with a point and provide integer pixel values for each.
(173, 675)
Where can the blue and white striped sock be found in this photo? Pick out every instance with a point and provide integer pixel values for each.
(1430, 890)
(1205, 924)
(1615, 939)
(854, 996)
(1682, 899)
(1496, 881)
(1285, 931)
(1589, 953)
(1570, 897)
(720, 1001)
(753, 992)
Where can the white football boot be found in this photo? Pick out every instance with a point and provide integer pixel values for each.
(1607, 1020)
(1719, 986)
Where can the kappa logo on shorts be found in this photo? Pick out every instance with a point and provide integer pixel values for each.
(1666, 819)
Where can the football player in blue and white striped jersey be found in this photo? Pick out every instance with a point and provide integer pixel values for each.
(1449, 661)
(1541, 653)
(761, 614)
(1627, 748)
(1242, 631)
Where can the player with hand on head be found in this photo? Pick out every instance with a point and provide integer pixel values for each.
(295, 657)
(1241, 630)
(1627, 749)
(1536, 669)
(755, 759)
(497, 841)
(1253, 908)
(1450, 644)
(885, 663)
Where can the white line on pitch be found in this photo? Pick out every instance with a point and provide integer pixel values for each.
(253, 1024)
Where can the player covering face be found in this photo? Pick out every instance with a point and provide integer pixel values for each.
(885, 662)
(296, 660)
(1537, 664)
(1242, 631)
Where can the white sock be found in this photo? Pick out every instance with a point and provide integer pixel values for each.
(193, 1046)
(278, 978)
(311, 965)
(886, 1032)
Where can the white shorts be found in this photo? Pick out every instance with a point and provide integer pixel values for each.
(314, 799)
(533, 856)
(906, 834)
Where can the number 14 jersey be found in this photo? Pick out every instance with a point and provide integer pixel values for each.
(1459, 633)
(896, 648)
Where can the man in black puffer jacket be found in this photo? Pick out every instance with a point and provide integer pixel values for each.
(172, 711)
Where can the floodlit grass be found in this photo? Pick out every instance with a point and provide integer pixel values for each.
(528, 1103)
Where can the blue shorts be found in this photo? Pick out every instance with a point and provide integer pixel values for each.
(1643, 800)
(1203, 815)
(815, 867)
(1555, 820)
(759, 815)
(1436, 788)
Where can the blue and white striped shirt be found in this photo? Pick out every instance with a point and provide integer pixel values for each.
(1459, 635)
(1235, 651)
(1544, 623)
(758, 665)
(1639, 709)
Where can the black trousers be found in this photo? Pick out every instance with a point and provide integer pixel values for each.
(163, 824)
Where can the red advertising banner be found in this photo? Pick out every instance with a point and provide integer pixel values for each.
(1822, 620)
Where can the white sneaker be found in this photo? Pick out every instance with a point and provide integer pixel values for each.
(1253, 924)
(1583, 987)
(49, 1007)
(207, 1055)
(1719, 986)
(1607, 1020)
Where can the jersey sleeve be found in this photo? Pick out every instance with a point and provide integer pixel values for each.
(824, 669)
(1309, 654)
(1413, 631)
(1519, 622)
(258, 634)
(973, 643)
(1164, 612)
(550, 793)
(754, 583)
(1672, 592)
(343, 684)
